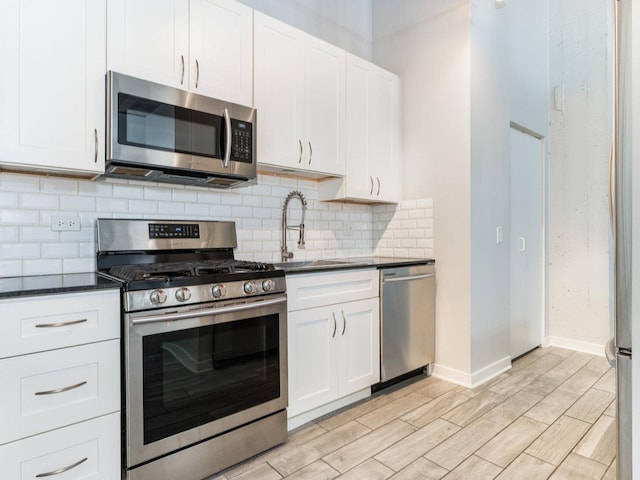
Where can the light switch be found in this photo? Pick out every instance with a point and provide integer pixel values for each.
(499, 239)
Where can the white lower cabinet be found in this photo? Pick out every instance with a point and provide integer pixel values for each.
(85, 451)
(334, 348)
(60, 377)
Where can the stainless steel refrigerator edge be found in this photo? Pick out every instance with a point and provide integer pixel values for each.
(619, 350)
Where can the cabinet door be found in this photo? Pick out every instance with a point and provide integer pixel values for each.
(359, 351)
(384, 158)
(313, 360)
(221, 50)
(360, 181)
(149, 39)
(325, 67)
(52, 85)
(279, 92)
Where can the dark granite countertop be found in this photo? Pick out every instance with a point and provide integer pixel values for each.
(11, 287)
(349, 263)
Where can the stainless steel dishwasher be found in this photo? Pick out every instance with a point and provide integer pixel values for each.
(407, 343)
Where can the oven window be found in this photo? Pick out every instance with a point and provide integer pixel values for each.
(160, 126)
(195, 376)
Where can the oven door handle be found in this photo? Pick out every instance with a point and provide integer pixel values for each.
(171, 317)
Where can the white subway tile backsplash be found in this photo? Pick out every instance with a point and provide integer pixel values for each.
(112, 205)
(404, 230)
(38, 200)
(27, 245)
(8, 200)
(58, 185)
(19, 217)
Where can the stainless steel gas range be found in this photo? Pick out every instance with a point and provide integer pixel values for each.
(204, 347)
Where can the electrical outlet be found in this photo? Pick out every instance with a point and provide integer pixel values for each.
(65, 224)
(348, 229)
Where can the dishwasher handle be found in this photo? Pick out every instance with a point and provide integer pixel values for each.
(407, 278)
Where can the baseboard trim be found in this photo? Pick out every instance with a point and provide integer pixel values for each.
(475, 379)
(577, 345)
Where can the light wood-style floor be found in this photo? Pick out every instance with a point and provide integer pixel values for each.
(551, 416)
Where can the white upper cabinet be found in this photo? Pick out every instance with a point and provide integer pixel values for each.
(373, 163)
(52, 86)
(299, 87)
(205, 46)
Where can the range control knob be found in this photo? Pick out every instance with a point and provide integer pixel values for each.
(268, 285)
(183, 294)
(157, 297)
(250, 287)
(218, 291)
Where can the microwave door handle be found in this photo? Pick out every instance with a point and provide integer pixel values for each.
(227, 147)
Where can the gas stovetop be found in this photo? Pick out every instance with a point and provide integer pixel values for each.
(163, 263)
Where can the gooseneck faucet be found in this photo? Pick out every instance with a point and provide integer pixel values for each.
(286, 255)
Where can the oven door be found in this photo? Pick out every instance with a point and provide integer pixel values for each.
(196, 372)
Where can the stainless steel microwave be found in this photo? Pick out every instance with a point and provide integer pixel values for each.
(165, 134)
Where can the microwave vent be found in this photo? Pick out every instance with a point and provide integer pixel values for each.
(222, 182)
(130, 171)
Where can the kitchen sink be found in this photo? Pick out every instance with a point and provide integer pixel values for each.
(318, 264)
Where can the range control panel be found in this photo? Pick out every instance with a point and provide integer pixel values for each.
(166, 230)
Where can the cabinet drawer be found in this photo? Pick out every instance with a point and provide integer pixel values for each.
(88, 451)
(328, 288)
(48, 322)
(49, 390)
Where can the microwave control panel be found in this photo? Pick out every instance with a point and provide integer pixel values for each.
(241, 141)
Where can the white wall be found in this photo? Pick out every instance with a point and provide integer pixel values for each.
(490, 188)
(345, 24)
(458, 97)
(427, 44)
(580, 59)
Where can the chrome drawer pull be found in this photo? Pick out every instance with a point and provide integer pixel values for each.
(62, 470)
(60, 324)
(335, 325)
(344, 323)
(61, 390)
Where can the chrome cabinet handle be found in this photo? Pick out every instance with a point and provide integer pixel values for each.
(227, 121)
(378, 192)
(197, 73)
(310, 153)
(182, 70)
(344, 323)
(335, 325)
(61, 390)
(371, 188)
(60, 324)
(63, 469)
(300, 156)
(407, 279)
(95, 145)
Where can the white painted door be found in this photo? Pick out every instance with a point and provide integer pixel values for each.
(221, 50)
(526, 242)
(279, 92)
(359, 337)
(149, 39)
(313, 358)
(325, 70)
(52, 84)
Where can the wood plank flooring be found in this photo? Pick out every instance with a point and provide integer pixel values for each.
(552, 416)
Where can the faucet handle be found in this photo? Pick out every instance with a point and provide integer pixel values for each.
(301, 239)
